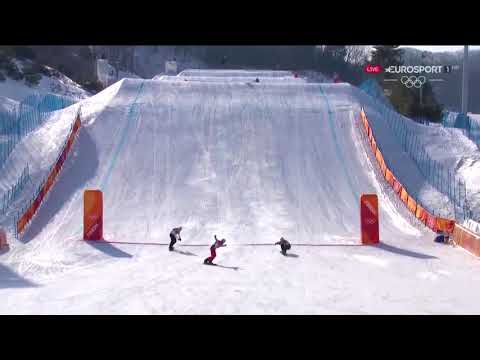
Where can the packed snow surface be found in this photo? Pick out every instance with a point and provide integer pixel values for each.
(247, 162)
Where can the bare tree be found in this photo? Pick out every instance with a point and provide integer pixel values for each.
(357, 54)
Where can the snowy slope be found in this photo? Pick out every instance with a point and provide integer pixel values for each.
(238, 79)
(8, 105)
(449, 147)
(406, 170)
(233, 72)
(249, 163)
(40, 148)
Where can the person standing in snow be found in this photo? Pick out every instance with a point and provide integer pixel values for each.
(174, 236)
(285, 245)
(217, 244)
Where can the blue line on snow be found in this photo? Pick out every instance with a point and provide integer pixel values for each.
(337, 146)
(130, 117)
(126, 130)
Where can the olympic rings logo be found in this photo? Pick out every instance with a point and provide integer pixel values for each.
(413, 81)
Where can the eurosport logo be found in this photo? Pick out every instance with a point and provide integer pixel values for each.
(413, 81)
(411, 69)
(415, 69)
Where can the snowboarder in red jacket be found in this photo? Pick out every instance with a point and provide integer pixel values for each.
(213, 248)
(284, 244)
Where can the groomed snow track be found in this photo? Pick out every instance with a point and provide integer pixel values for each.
(249, 162)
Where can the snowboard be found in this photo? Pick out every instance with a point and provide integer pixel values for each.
(207, 263)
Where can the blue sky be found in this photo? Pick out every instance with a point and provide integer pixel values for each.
(438, 48)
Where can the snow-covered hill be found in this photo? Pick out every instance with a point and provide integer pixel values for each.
(55, 83)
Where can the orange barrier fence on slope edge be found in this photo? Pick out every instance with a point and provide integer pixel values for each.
(421, 214)
(467, 239)
(389, 177)
(397, 187)
(45, 188)
(412, 205)
(404, 196)
(445, 225)
(381, 161)
(373, 144)
(432, 222)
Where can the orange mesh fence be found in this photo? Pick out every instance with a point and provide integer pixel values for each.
(467, 239)
(421, 214)
(47, 185)
(445, 225)
(397, 187)
(381, 161)
(432, 222)
(404, 196)
(389, 176)
(412, 205)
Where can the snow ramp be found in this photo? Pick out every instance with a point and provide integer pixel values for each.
(225, 158)
(247, 162)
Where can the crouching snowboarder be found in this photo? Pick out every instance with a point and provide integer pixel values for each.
(213, 248)
(174, 236)
(442, 237)
(284, 244)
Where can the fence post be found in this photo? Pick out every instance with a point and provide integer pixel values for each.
(449, 185)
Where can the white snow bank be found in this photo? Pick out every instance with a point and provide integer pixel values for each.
(60, 85)
(234, 72)
(8, 105)
(244, 79)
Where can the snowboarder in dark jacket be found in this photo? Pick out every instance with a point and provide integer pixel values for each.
(174, 236)
(217, 244)
(284, 244)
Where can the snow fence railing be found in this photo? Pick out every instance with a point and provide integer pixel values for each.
(472, 226)
(11, 194)
(469, 125)
(436, 224)
(28, 116)
(23, 217)
(440, 177)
